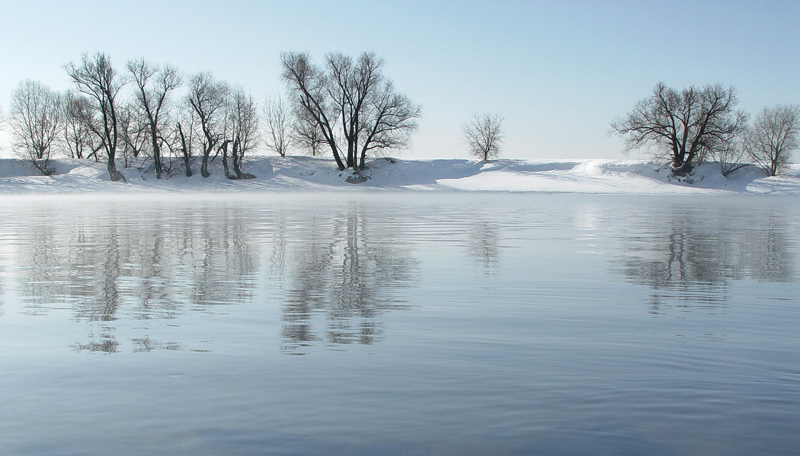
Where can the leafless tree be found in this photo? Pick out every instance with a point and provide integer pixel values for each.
(390, 120)
(208, 99)
(686, 126)
(774, 136)
(133, 131)
(78, 137)
(734, 155)
(277, 125)
(36, 120)
(483, 133)
(306, 133)
(352, 103)
(154, 86)
(96, 78)
(244, 120)
(183, 138)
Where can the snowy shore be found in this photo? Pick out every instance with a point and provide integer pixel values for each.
(306, 174)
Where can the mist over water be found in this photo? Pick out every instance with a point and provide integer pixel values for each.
(403, 323)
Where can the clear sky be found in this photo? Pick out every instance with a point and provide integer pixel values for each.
(558, 71)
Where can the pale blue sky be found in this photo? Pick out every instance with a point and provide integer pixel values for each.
(559, 71)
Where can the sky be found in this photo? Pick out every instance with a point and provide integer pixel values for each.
(557, 71)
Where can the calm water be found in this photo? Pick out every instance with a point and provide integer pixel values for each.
(399, 324)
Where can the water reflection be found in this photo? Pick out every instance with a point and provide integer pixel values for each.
(483, 245)
(120, 265)
(350, 271)
(334, 272)
(695, 253)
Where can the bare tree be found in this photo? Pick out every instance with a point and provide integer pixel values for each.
(208, 99)
(390, 120)
(277, 125)
(483, 133)
(306, 133)
(96, 78)
(183, 138)
(133, 131)
(686, 126)
(734, 155)
(36, 120)
(78, 137)
(244, 119)
(154, 85)
(346, 100)
(774, 137)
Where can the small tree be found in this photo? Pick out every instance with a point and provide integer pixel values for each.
(277, 125)
(734, 156)
(306, 133)
(208, 99)
(78, 137)
(243, 114)
(483, 134)
(36, 121)
(774, 137)
(686, 126)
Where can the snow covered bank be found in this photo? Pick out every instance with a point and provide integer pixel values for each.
(275, 174)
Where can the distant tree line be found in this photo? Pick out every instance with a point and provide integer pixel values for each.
(700, 124)
(152, 115)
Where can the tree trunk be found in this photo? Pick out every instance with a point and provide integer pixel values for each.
(186, 153)
(186, 165)
(157, 159)
(204, 166)
(113, 173)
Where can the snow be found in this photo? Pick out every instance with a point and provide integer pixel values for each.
(307, 174)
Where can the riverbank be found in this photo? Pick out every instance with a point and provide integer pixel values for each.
(307, 174)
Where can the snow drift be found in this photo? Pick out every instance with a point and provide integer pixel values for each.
(307, 174)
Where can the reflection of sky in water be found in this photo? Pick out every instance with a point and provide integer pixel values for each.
(509, 322)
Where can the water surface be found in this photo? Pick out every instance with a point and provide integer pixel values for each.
(402, 323)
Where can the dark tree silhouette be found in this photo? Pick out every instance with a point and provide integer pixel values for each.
(355, 107)
(687, 126)
(96, 78)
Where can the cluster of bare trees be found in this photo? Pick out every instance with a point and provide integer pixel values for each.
(699, 124)
(345, 105)
(151, 114)
(151, 123)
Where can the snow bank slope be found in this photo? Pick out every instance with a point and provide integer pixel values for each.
(318, 174)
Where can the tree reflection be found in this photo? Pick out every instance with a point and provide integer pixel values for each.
(346, 274)
(693, 256)
(112, 266)
(483, 245)
(123, 266)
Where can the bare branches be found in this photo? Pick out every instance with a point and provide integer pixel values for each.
(36, 120)
(277, 125)
(97, 79)
(244, 126)
(774, 137)
(483, 134)
(154, 85)
(391, 121)
(350, 103)
(208, 98)
(687, 126)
